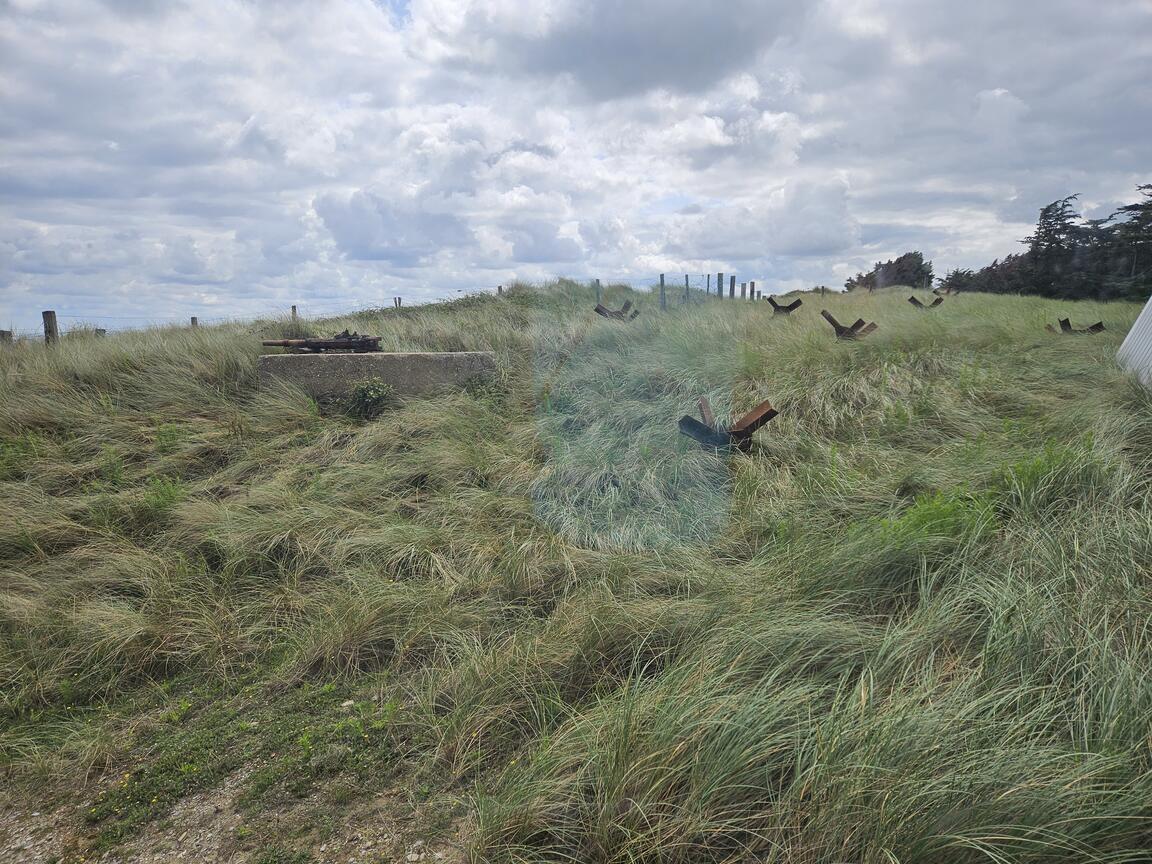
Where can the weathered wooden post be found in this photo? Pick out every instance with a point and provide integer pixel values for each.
(663, 301)
(685, 287)
(732, 288)
(596, 282)
(293, 313)
(195, 322)
(720, 285)
(499, 289)
(751, 290)
(708, 284)
(743, 290)
(51, 333)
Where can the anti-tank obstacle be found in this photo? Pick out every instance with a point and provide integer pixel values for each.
(856, 330)
(626, 312)
(737, 436)
(915, 302)
(1066, 328)
(778, 309)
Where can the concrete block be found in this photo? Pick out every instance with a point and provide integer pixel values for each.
(332, 376)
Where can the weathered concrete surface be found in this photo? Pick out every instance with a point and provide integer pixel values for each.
(332, 376)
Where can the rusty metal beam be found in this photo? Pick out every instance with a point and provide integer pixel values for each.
(705, 435)
(747, 425)
(706, 415)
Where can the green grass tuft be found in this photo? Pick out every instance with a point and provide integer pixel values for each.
(910, 625)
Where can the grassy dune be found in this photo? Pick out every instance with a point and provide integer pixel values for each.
(911, 626)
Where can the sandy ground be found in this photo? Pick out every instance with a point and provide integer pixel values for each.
(208, 827)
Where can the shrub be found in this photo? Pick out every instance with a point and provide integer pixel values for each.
(370, 398)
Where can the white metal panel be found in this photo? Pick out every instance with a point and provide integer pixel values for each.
(1135, 354)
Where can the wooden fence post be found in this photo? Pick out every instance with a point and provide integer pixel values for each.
(293, 313)
(499, 289)
(743, 290)
(708, 284)
(751, 290)
(51, 333)
(731, 287)
(685, 287)
(663, 302)
(195, 322)
(720, 285)
(597, 283)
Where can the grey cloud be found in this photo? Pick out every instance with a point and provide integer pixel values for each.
(368, 227)
(617, 49)
(539, 242)
(800, 219)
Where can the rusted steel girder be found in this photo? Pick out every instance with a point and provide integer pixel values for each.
(777, 309)
(738, 435)
(626, 313)
(858, 328)
(1066, 328)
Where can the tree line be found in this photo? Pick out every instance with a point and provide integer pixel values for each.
(1066, 256)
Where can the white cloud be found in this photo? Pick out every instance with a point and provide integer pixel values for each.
(157, 157)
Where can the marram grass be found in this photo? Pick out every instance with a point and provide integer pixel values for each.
(911, 626)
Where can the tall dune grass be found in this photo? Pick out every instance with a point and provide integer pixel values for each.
(911, 626)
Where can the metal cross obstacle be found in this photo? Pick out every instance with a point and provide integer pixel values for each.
(626, 312)
(859, 327)
(920, 305)
(1066, 328)
(777, 309)
(737, 436)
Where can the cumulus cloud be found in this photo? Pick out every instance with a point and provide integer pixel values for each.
(162, 158)
(611, 49)
(403, 232)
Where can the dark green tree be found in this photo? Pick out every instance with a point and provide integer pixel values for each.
(909, 269)
(1068, 257)
(1134, 235)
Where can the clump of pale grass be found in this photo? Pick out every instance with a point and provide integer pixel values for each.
(911, 625)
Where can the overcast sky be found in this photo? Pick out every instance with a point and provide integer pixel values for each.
(226, 158)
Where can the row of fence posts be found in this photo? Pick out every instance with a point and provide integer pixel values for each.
(52, 330)
(747, 291)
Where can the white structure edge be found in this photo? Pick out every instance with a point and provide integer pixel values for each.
(1135, 354)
